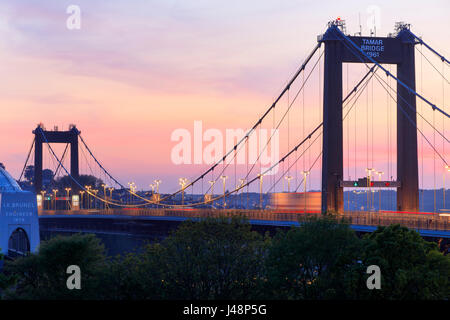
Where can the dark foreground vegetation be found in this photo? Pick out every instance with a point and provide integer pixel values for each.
(224, 259)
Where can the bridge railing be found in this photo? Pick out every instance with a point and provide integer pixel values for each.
(414, 221)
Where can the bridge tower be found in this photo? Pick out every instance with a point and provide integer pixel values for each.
(398, 50)
(70, 137)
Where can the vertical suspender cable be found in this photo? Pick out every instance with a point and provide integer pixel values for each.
(443, 132)
(421, 126)
(434, 164)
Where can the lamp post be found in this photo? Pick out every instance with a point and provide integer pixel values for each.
(132, 186)
(380, 173)
(104, 194)
(95, 191)
(54, 198)
(88, 189)
(129, 197)
(43, 198)
(111, 189)
(212, 183)
(224, 178)
(289, 178)
(443, 176)
(242, 183)
(305, 174)
(81, 199)
(369, 174)
(260, 176)
(182, 182)
(68, 197)
(157, 183)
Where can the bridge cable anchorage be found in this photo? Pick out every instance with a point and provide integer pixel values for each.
(402, 98)
(429, 48)
(28, 157)
(433, 106)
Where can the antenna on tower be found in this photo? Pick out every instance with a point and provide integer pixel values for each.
(360, 26)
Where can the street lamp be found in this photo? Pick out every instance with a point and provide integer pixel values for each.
(212, 183)
(132, 187)
(81, 196)
(68, 197)
(157, 182)
(242, 183)
(260, 176)
(380, 173)
(305, 174)
(88, 189)
(289, 178)
(369, 178)
(182, 182)
(54, 197)
(224, 178)
(443, 176)
(95, 191)
(104, 194)
(111, 189)
(43, 198)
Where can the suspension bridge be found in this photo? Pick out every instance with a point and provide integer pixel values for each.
(329, 141)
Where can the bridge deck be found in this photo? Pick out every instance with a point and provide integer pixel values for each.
(426, 224)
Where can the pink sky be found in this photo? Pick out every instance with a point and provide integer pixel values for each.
(138, 70)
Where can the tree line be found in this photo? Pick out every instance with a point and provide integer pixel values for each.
(224, 259)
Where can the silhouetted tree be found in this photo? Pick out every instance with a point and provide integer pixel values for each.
(411, 268)
(310, 261)
(29, 173)
(43, 275)
(84, 180)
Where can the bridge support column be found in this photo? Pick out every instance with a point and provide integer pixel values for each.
(407, 161)
(71, 137)
(74, 165)
(332, 163)
(37, 182)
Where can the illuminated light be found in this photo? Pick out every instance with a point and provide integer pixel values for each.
(371, 184)
(387, 184)
(355, 184)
